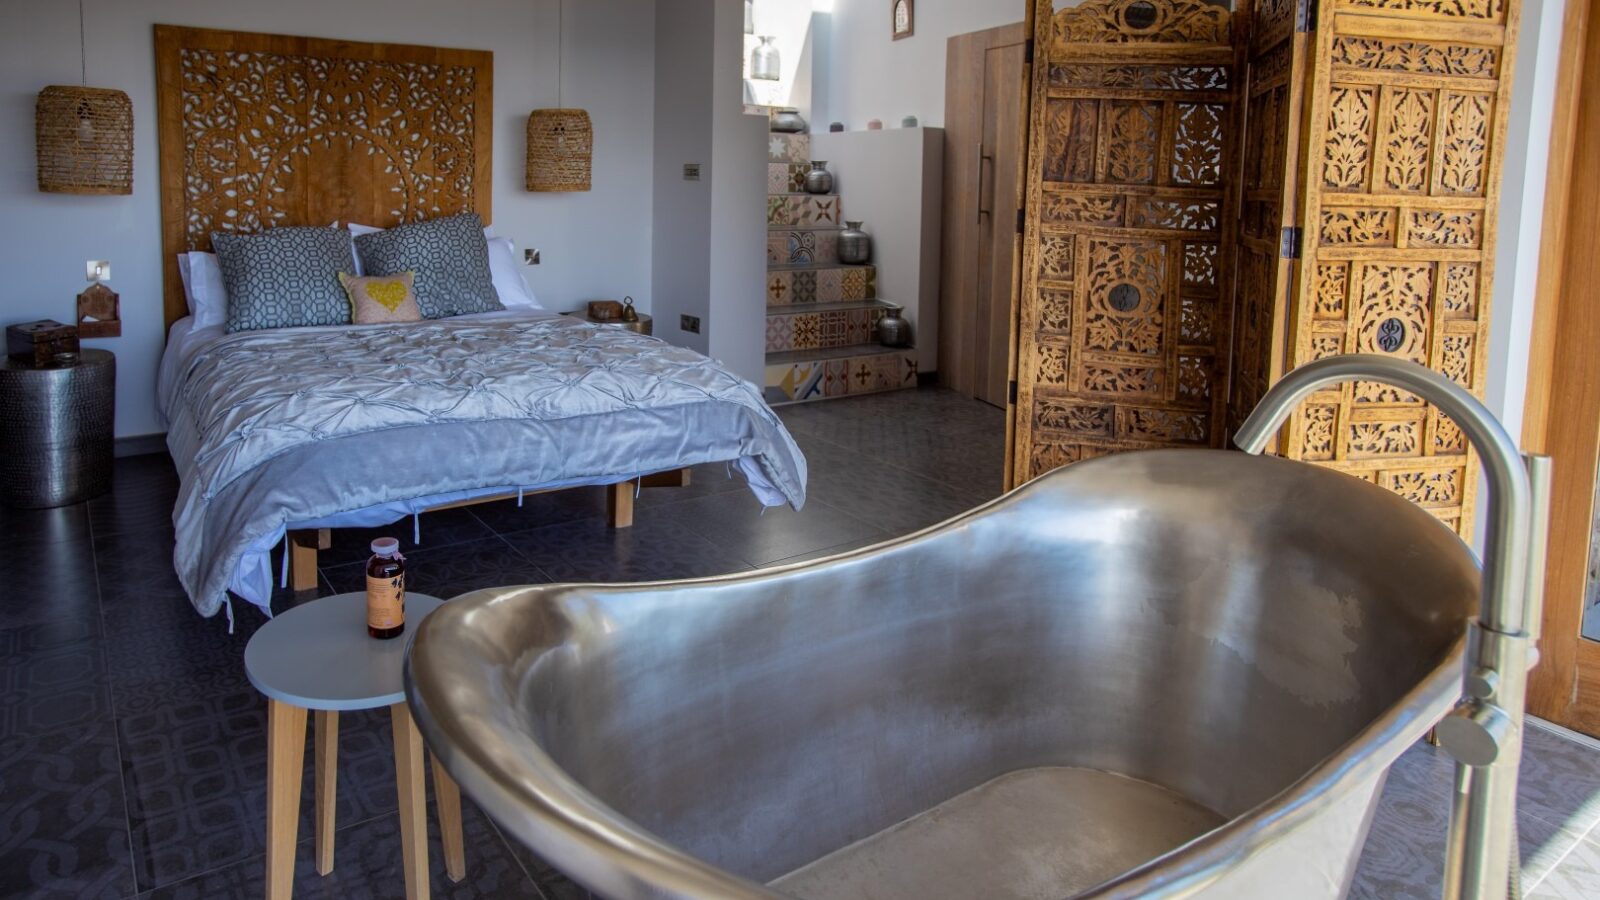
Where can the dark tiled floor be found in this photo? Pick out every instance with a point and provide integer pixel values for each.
(132, 749)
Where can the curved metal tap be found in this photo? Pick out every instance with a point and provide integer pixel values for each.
(1484, 732)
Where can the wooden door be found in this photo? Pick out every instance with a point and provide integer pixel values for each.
(1407, 115)
(1127, 249)
(1563, 410)
(983, 156)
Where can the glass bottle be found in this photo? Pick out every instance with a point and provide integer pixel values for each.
(386, 590)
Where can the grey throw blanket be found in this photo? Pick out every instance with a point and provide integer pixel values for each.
(281, 428)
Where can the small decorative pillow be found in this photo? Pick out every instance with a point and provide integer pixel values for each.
(381, 299)
(449, 256)
(284, 277)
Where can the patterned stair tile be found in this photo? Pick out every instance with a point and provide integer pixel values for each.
(843, 284)
(803, 210)
(789, 148)
(818, 330)
(803, 247)
(786, 178)
(823, 379)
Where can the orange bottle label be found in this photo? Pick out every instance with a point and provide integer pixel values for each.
(386, 602)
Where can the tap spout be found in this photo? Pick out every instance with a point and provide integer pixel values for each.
(1484, 732)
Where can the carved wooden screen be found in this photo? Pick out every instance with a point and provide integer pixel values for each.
(258, 130)
(1407, 118)
(1127, 247)
(1276, 71)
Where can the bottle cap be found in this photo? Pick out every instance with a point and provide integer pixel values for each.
(386, 546)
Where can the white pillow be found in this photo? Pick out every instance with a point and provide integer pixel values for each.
(507, 275)
(203, 288)
(503, 269)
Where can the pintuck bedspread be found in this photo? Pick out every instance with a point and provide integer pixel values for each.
(278, 429)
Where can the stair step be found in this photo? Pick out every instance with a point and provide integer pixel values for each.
(797, 309)
(834, 283)
(788, 148)
(803, 211)
(786, 178)
(805, 245)
(844, 325)
(803, 375)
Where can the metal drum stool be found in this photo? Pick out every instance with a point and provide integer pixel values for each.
(56, 430)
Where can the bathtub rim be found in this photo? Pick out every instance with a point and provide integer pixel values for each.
(557, 817)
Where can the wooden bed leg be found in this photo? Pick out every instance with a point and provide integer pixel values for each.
(303, 547)
(619, 502)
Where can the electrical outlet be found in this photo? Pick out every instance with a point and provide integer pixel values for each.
(689, 323)
(530, 257)
(691, 171)
(97, 270)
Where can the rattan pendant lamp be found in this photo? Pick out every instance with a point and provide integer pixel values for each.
(560, 141)
(83, 136)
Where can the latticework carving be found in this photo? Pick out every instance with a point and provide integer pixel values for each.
(1128, 259)
(262, 130)
(1152, 280)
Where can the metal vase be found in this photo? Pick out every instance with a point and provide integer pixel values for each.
(855, 245)
(787, 121)
(819, 180)
(894, 331)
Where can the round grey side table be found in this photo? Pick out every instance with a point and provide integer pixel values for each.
(318, 656)
(56, 446)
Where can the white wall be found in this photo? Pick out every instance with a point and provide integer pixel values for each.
(872, 76)
(710, 235)
(596, 244)
(893, 181)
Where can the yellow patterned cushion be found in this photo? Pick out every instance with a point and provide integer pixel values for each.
(378, 299)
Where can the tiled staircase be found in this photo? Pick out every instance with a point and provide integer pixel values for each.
(821, 314)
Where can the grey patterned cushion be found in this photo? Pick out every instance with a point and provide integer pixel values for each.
(450, 257)
(285, 277)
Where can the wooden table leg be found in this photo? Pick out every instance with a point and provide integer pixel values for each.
(327, 773)
(448, 796)
(286, 755)
(413, 791)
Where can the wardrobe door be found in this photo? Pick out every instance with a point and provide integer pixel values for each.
(1128, 245)
(983, 159)
(1408, 105)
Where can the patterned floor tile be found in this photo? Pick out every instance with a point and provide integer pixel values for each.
(141, 497)
(48, 581)
(52, 678)
(538, 510)
(24, 529)
(64, 829)
(654, 549)
(738, 524)
(444, 528)
(1575, 877)
(1560, 781)
(704, 481)
(367, 867)
(895, 499)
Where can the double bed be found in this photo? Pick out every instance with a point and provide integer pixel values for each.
(283, 431)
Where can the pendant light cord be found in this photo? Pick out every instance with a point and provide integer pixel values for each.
(561, 36)
(83, 52)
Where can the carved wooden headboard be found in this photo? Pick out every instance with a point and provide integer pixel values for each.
(260, 130)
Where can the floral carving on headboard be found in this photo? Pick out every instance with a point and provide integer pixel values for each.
(273, 139)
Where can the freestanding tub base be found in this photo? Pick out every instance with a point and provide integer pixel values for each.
(1037, 834)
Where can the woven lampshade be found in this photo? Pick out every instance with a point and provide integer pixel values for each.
(84, 140)
(560, 150)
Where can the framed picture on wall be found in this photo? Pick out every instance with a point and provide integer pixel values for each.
(905, 18)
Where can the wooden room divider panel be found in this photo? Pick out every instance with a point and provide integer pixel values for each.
(1371, 140)
(1128, 242)
(1407, 122)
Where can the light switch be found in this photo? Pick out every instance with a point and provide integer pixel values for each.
(530, 257)
(691, 171)
(97, 270)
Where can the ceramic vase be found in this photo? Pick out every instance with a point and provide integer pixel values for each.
(819, 180)
(855, 245)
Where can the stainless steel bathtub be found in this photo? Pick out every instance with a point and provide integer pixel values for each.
(1166, 673)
